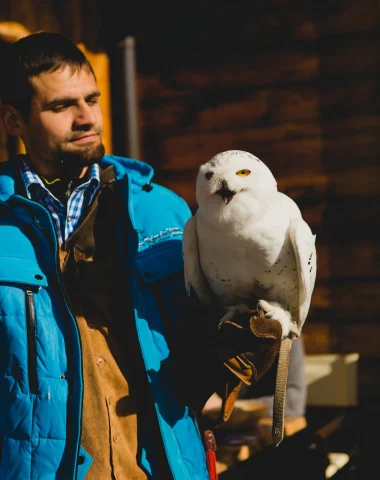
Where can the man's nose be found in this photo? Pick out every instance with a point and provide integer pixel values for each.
(85, 116)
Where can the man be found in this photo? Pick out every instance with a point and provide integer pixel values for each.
(105, 359)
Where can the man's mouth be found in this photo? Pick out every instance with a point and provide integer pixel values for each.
(85, 138)
(226, 194)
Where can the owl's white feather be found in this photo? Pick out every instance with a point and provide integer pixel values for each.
(247, 243)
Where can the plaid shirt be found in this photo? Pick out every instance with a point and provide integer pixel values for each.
(65, 219)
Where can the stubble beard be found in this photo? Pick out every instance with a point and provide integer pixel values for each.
(73, 162)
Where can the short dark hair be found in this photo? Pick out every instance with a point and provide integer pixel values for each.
(30, 56)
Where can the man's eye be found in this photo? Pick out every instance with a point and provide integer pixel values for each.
(58, 108)
(93, 101)
(243, 173)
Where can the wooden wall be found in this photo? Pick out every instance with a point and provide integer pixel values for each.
(295, 83)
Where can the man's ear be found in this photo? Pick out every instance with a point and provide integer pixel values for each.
(12, 120)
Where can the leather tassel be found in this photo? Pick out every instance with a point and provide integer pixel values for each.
(210, 447)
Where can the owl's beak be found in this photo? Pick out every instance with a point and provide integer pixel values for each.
(225, 193)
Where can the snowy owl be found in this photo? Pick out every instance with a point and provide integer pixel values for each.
(248, 245)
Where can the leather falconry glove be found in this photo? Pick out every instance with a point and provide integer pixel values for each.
(247, 344)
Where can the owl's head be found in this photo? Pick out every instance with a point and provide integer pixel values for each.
(233, 179)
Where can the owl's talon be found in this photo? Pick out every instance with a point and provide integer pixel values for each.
(294, 330)
(274, 311)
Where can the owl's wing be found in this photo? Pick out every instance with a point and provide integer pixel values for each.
(303, 242)
(194, 276)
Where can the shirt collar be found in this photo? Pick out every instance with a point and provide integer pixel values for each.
(31, 178)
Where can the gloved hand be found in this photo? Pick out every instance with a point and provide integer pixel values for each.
(208, 359)
(247, 344)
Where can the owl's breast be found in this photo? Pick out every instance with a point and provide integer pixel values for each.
(242, 272)
(233, 278)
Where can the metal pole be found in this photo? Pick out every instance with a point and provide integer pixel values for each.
(131, 136)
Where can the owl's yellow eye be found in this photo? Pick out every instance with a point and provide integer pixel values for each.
(243, 173)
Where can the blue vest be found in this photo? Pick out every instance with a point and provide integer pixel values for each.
(40, 351)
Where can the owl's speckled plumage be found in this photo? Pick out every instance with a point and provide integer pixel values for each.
(247, 243)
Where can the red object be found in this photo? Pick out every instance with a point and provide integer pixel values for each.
(210, 447)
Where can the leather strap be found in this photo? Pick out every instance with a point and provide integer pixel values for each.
(280, 391)
(82, 240)
(90, 249)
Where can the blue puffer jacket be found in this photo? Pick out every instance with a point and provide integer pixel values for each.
(40, 350)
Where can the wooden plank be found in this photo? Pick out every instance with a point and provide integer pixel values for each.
(328, 59)
(349, 296)
(317, 337)
(361, 180)
(345, 301)
(347, 218)
(335, 261)
(227, 24)
(359, 337)
(342, 337)
(220, 109)
(290, 67)
(336, 54)
(263, 24)
(276, 146)
(350, 16)
(81, 21)
(303, 21)
(279, 28)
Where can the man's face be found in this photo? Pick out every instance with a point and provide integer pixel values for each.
(64, 132)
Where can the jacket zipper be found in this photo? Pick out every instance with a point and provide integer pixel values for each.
(31, 335)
